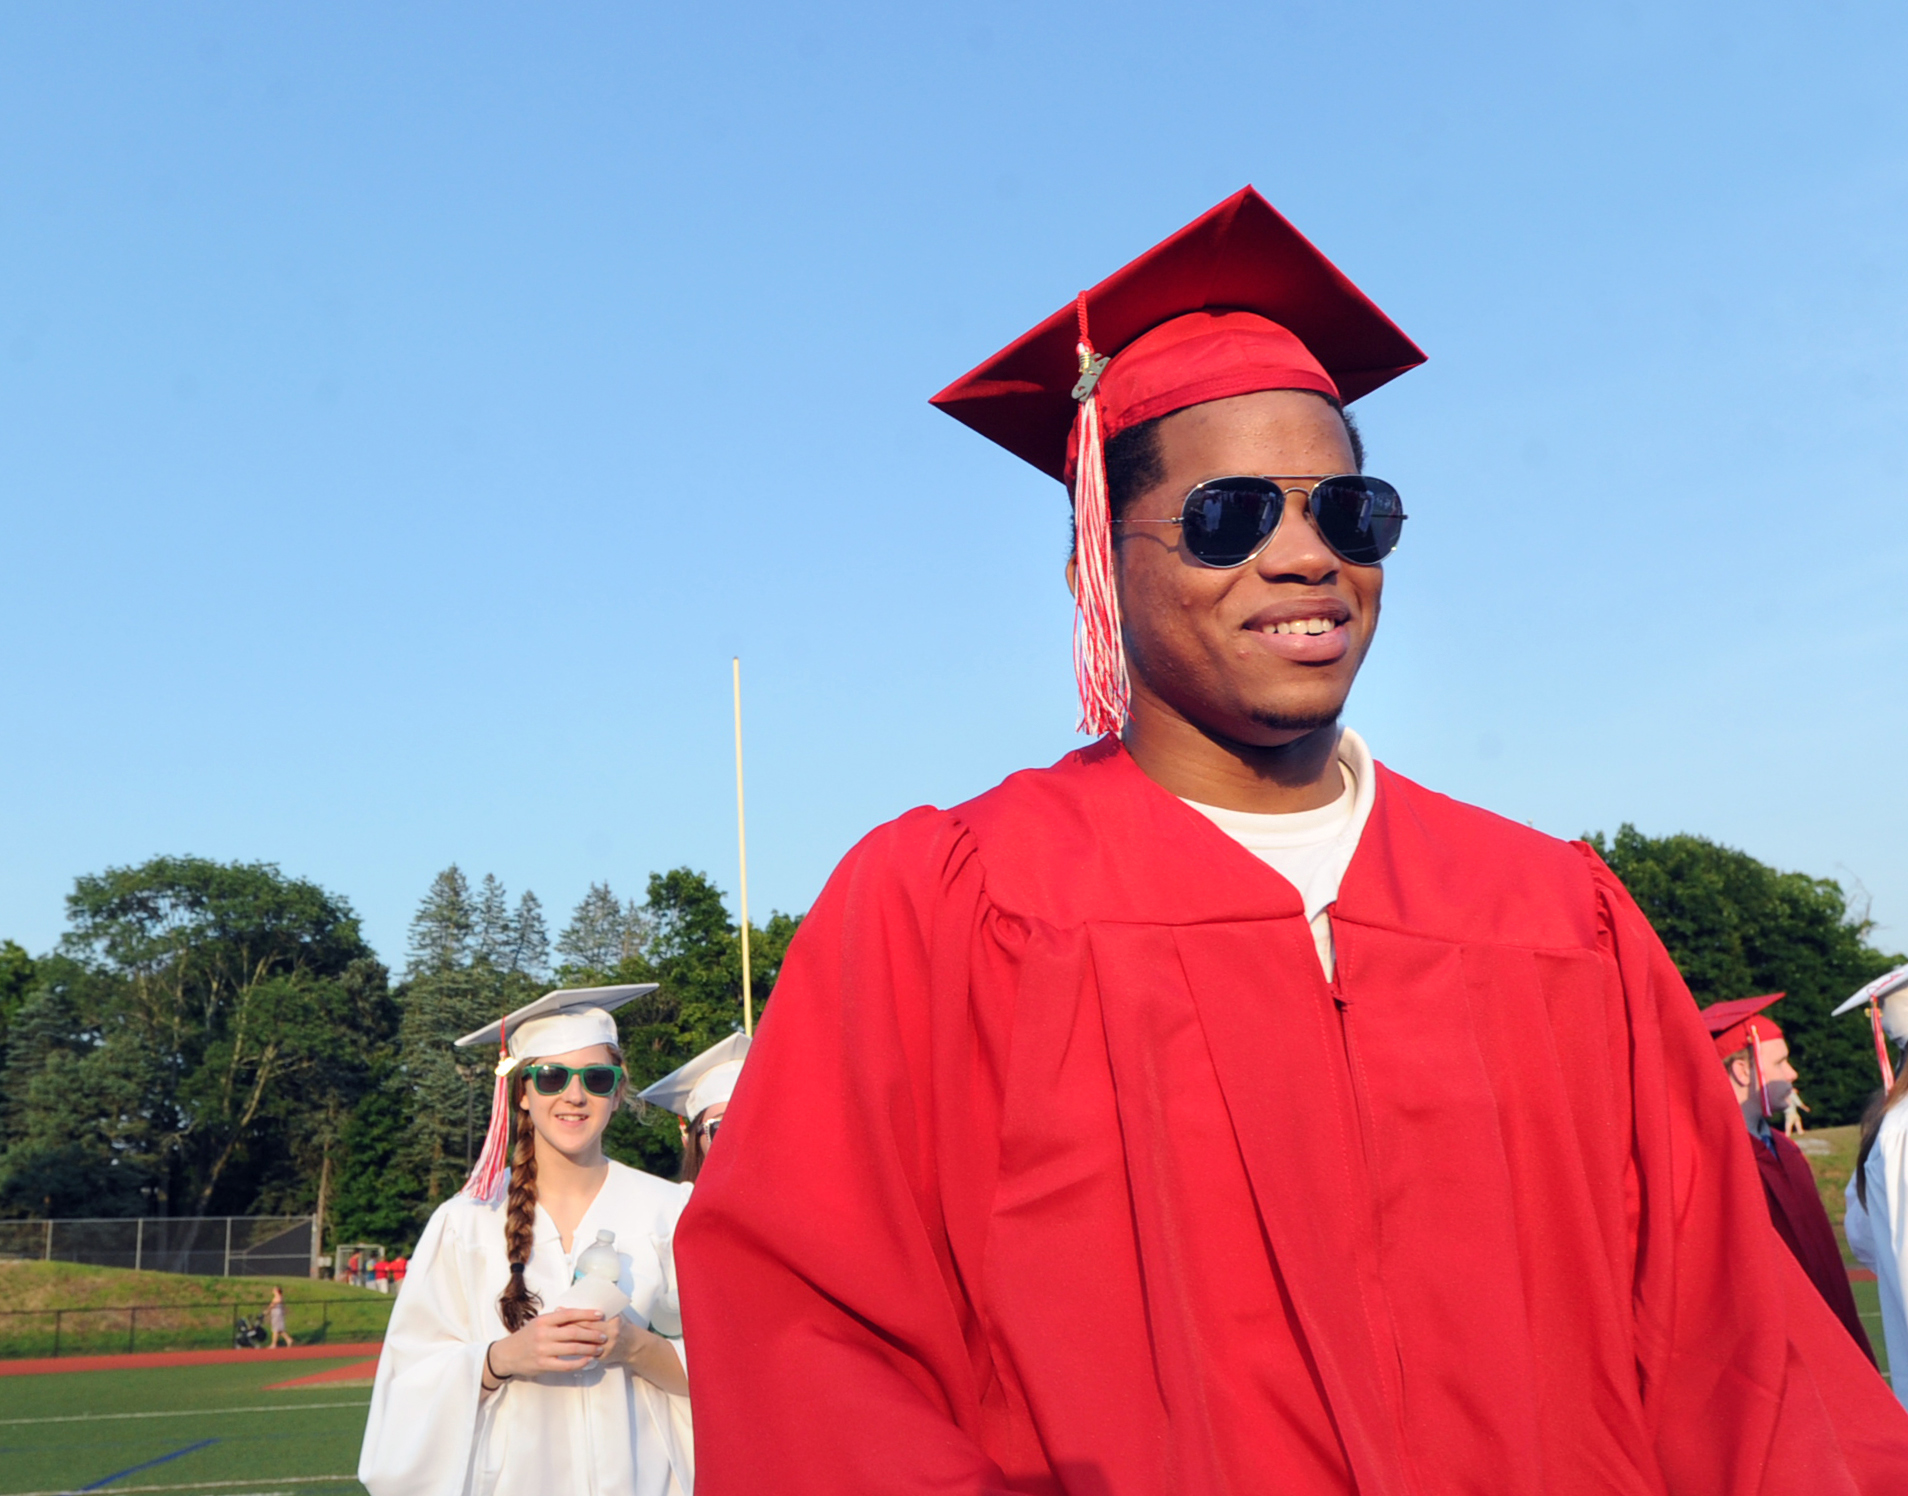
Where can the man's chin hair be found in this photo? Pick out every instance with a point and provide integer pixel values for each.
(1278, 721)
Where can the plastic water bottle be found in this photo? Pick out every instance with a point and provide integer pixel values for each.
(600, 1260)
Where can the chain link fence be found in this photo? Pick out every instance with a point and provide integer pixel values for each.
(177, 1327)
(204, 1246)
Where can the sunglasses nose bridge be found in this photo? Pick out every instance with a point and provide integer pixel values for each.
(1296, 526)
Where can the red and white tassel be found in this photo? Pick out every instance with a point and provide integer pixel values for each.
(486, 1175)
(1755, 1059)
(1099, 654)
(1881, 1047)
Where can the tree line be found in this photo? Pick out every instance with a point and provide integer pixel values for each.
(219, 1039)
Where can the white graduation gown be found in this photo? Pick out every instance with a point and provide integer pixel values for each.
(603, 1430)
(1879, 1235)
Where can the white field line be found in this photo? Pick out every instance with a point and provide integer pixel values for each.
(177, 1413)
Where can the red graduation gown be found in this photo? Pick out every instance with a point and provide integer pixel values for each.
(1058, 1166)
(1795, 1208)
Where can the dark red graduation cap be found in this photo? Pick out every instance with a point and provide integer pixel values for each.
(1237, 301)
(1730, 1022)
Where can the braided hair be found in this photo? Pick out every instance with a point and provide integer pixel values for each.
(517, 1304)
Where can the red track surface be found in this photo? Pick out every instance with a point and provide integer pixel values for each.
(141, 1360)
(356, 1372)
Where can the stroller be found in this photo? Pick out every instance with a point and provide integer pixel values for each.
(250, 1334)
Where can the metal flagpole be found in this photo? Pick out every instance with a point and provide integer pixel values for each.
(742, 846)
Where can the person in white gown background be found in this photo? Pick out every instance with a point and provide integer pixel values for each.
(1876, 1223)
(487, 1384)
(698, 1094)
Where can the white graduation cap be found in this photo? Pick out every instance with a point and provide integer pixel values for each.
(691, 1089)
(1884, 986)
(1886, 999)
(556, 1023)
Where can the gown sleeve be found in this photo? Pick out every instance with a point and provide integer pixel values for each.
(832, 1349)
(427, 1399)
(1750, 1384)
(1855, 1225)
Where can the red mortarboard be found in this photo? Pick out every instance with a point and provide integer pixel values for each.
(1729, 1022)
(1308, 320)
(1237, 301)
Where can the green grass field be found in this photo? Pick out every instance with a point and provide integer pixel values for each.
(211, 1429)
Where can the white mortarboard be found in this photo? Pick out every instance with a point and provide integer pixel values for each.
(1886, 999)
(556, 1023)
(692, 1089)
(1884, 986)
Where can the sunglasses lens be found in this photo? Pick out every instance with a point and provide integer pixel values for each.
(1224, 523)
(599, 1080)
(1361, 518)
(550, 1079)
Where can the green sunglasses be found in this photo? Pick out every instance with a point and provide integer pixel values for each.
(598, 1080)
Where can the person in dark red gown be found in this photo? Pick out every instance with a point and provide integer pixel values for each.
(1011, 1197)
(1755, 1056)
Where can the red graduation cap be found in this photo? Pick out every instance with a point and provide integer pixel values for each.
(1739, 1020)
(1237, 301)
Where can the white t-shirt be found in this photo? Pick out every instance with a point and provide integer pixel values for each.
(1310, 849)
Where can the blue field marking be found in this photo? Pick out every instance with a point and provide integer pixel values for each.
(134, 1470)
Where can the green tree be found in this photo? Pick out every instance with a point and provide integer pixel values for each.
(16, 977)
(79, 1134)
(199, 1021)
(693, 951)
(473, 960)
(603, 934)
(445, 925)
(1737, 927)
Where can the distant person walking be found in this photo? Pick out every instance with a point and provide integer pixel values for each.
(1792, 1110)
(275, 1319)
(400, 1265)
(381, 1275)
(352, 1275)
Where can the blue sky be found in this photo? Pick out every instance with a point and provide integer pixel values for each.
(407, 409)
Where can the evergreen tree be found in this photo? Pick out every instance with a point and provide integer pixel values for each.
(443, 928)
(602, 934)
(449, 1089)
(531, 953)
(16, 977)
(494, 934)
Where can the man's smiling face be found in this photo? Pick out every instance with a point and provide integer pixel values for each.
(1258, 654)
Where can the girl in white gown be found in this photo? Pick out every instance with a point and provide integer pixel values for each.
(488, 1385)
(1876, 1222)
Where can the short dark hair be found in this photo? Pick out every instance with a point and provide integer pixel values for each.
(1134, 465)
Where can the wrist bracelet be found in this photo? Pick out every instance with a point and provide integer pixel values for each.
(496, 1375)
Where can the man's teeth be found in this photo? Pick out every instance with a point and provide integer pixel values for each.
(1305, 626)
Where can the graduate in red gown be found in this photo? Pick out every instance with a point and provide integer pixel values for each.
(1755, 1057)
(1013, 1197)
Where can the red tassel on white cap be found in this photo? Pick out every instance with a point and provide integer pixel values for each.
(486, 1175)
(1881, 1047)
(1099, 654)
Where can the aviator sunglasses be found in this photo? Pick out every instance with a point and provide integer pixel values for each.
(1225, 522)
(598, 1080)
